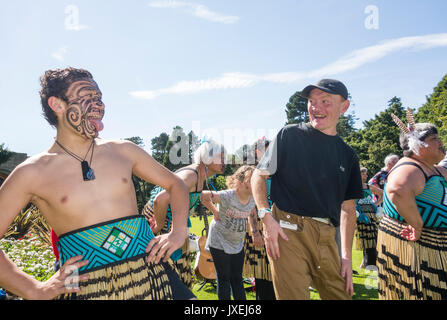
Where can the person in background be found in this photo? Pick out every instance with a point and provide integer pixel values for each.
(366, 221)
(378, 180)
(208, 161)
(227, 231)
(412, 237)
(256, 263)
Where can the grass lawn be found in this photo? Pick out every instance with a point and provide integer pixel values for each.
(365, 282)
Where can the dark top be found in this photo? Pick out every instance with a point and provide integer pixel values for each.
(312, 173)
(431, 203)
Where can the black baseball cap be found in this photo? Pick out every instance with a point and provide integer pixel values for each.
(327, 85)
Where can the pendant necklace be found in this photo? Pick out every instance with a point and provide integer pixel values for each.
(87, 172)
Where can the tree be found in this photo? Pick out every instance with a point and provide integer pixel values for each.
(435, 109)
(379, 137)
(296, 109)
(194, 144)
(137, 140)
(159, 146)
(345, 125)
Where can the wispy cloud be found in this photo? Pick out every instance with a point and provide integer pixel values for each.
(351, 61)
(60, 53)
(195, 9)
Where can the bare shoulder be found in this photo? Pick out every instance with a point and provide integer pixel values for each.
(27, 175)
(33, 165)
(406, 176)
(120, 146)
(115, 144)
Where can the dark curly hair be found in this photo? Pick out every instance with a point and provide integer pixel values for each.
(55, 83)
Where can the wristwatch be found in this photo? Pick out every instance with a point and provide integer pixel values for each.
(263, 211)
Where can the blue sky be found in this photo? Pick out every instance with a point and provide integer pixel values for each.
(223, 68)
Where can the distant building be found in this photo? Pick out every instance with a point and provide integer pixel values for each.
(14, 160)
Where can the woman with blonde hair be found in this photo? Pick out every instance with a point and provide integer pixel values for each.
(227, 231)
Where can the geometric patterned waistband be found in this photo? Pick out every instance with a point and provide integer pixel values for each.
(107, 243)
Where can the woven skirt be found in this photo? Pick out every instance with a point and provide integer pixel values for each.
(367, 232)
(256, 263)
(411, 270)
(117, 265)
(183, 258)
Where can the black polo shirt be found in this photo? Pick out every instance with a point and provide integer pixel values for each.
(312, 173)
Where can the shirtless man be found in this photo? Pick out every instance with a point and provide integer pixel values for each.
(82, 181)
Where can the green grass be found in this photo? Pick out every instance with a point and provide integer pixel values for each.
(365, 282)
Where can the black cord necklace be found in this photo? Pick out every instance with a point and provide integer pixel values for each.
(87, 172)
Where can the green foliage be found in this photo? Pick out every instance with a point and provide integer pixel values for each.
(142, 188)
(220, 183)
(29, 220)
(30, 255)
(159, 146)
(296, 109)
(346, 124)
(137, 140)
(435, 109)
(175, 151)
(378, 138)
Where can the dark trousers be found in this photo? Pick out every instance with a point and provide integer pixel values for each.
(229, 274)
(264, 290)
(369, 256)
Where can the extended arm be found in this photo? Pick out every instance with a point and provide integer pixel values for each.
(347, 229)
(255, 232)
(208, 198)
(271, 226)
(150, 170)
(161, 204)
(15, 194)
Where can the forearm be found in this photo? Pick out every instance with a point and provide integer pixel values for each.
(253, 222)
(160, 208)
(259, 189)
(347, 229)
(210, 206)
(179, 207)
(14, 280)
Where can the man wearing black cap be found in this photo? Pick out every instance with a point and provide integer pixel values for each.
(315, 179)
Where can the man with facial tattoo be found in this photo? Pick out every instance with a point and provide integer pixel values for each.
(83, 187)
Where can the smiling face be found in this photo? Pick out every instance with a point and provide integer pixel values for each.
(325, 109)
(85, 109)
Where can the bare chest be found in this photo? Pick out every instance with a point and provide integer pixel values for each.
(63, 192)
